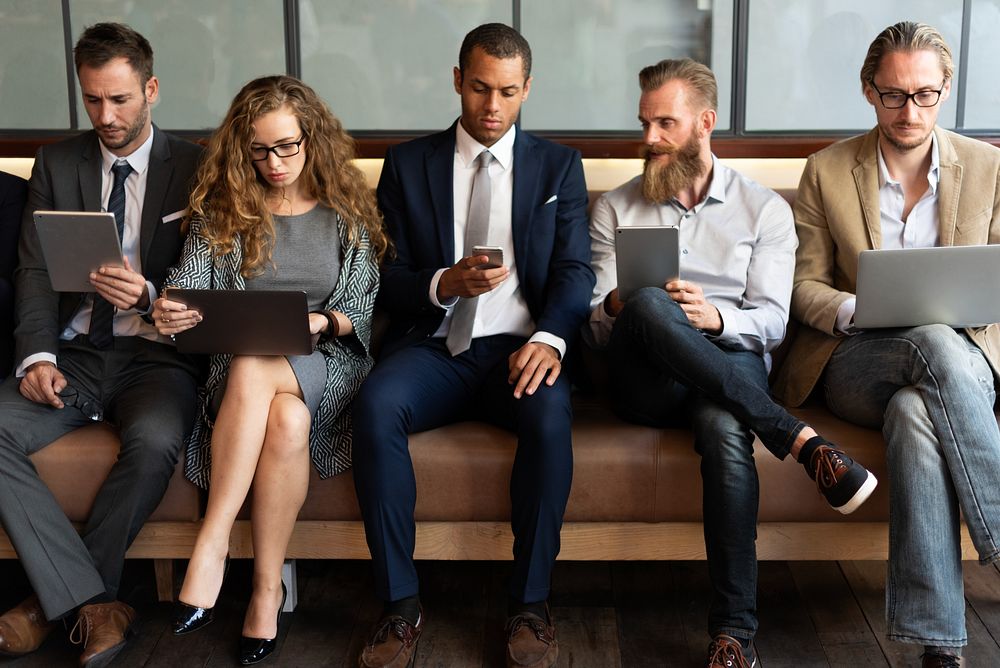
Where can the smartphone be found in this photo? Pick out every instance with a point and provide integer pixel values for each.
(494, 253)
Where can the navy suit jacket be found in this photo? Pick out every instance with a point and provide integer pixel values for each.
(66, 176)
(550, 225)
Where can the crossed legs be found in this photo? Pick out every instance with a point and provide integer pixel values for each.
(260, 441)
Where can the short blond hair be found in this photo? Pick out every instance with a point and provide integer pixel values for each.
(698, 78)
(907, 36)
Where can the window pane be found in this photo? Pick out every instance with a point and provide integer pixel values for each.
(587, 56)
(388, 65)
(32, 65)
(203, 51)
(982, 95)
(804, 58)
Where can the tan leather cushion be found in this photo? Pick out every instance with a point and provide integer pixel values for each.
(75, 466)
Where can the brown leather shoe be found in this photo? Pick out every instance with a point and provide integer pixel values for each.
(935, 660)
(392, 644)
(23, 629)
(726, 652)
(101, 628)
(531, 643)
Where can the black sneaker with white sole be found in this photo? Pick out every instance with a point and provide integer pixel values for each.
(845, 483)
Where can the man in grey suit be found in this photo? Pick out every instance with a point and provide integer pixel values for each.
(82, 357)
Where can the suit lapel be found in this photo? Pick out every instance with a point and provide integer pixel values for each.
(157, 181)
(949, 187)
(526, 173)
(866, 180)
(89, 173)
(439, 164)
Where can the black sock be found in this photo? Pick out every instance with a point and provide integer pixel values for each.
(539, 609)
(408, 608)
(808, 448)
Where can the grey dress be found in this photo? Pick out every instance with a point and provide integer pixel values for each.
(306, 256)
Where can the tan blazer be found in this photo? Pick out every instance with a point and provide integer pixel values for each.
(837, 217)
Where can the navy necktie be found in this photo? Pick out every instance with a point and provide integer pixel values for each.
(102, 316)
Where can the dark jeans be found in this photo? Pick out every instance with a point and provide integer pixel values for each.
(422, 387)
(666, 373)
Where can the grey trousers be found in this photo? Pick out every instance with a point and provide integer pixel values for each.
(148, 391)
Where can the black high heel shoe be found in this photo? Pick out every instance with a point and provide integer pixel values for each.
(255, 650)
(190, 618)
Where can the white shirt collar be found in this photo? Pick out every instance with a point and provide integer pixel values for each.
(138, 159)
(469, 149)
(885, 178)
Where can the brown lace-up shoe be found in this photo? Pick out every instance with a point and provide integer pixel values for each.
(531, 643)
(101, 628)
(23, 629)
(935, 660)
(726, 652)
(392, 644)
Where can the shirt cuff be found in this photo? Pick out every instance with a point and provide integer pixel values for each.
(845, 316)
(433, 296)
(550, 339)
(153, 295)
(31, 359)
(730, 326)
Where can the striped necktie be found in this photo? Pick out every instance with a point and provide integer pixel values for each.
(102, 316)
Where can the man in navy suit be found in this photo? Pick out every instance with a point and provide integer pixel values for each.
(470, 339)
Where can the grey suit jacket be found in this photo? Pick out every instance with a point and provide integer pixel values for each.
(837, 217)
(66, 177)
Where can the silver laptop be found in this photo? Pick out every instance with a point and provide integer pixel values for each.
(957, 286)
(645, 257)
(246, 322)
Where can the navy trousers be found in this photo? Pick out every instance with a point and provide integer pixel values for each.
(422, 387)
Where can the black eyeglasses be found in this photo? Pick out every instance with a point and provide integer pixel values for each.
(922, 98)
(89, 407)
(258, 153)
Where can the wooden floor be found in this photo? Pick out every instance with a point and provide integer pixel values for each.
(627, 614)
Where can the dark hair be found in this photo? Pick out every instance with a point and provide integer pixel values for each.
(497, 40)
(102, 42)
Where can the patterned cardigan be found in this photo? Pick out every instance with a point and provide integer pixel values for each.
(348, 359)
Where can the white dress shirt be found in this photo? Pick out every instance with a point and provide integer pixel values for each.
(504, 309)
(738, 244)
(921, 229)
(128, 322)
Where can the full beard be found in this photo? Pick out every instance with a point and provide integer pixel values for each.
(662, 181)
(133, 130)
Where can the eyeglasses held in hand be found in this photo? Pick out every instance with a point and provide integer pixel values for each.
(91, 408)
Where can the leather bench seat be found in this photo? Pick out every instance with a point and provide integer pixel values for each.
(75, 466)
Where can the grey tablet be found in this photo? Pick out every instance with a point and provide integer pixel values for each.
(950, 285)
(75, 243)
(246, 322)
(646, 257)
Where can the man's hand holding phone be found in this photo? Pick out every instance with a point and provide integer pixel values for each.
(473, 275)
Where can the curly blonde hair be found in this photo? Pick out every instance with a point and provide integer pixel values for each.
(228, 194)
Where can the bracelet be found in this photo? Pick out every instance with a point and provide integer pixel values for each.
(333, 331)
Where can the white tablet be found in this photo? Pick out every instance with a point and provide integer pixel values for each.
(76, 243)
(646, 257)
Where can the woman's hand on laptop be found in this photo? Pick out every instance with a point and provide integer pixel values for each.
(172, 317)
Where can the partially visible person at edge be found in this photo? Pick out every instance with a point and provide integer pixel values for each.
(277, 205)
(931, 390)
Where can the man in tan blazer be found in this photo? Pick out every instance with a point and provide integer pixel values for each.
(931, 389)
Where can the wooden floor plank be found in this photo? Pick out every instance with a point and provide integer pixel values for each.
(867, 581)
(786, 636)
(648, 615)
(692, 589)
(588, 637)
(982, 590)
(455, 599)
(843, 631)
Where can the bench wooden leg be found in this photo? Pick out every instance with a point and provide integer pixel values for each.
(164, 569)
(289, 575)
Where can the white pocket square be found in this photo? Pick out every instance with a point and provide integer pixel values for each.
(171, 217)
(551, 199)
